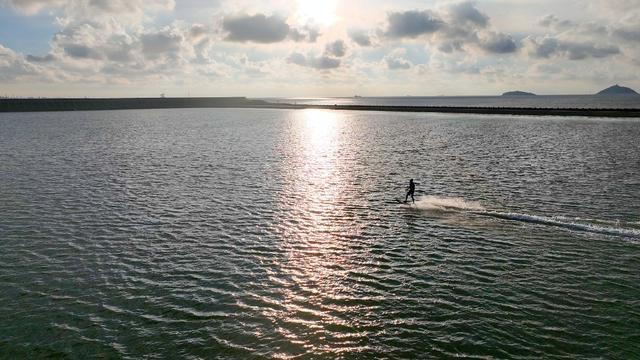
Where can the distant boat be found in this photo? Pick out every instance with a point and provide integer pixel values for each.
(617, 90)
(357, 96)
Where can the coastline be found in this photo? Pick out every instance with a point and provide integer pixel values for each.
(97, 104)
(594, 112)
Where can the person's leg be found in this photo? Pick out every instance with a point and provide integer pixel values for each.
(412, 199)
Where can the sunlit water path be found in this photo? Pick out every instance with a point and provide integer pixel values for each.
(276, 234)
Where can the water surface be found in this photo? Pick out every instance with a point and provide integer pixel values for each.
(237, 233)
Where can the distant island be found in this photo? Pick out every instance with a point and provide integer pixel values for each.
(617, 90)
(518, 93)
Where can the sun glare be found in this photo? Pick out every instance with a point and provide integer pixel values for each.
(318, 12)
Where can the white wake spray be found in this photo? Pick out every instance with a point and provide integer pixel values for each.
(444, 204)
(450, 204)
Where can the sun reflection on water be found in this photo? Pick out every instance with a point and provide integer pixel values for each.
(316, 227)
(321, 125)
(320, 143)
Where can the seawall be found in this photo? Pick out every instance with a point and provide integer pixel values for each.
(79, 104)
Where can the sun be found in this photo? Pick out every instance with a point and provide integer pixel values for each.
(319, 12)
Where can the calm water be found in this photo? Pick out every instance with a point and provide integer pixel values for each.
(540, 101)
(209, 233)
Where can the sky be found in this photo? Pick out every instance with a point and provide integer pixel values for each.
(313, 48)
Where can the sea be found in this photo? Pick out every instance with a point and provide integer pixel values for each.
(283, 234)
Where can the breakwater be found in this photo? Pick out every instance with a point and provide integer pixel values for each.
(628, 113)
(87, 104)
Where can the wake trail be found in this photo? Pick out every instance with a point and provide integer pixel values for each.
(447, 204)
(442, 204)
(559, 222)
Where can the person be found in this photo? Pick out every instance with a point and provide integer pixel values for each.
(412, 189)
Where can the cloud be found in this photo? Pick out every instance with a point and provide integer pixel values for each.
(544, 68)
(74, 10)
(336, 49)
(81, 52)
(453, 64)
(328, 60)
(298, 59)
(307, 34)
(14, 67)
(108, 52)
(41, 59)
(572, 50)
(395, 60)
(31, 7)
(411, 24)
(198, 31)
(321, 63)
(108, 41)
(552, 21)
(456, 27)
(465, 25)
(574, 29)
(615, 7)
(360, 37)
(264, 29)
(628, 33)
(449, 47)
(127, 42)
(126, 6)
(155, 44)
(466, 12)
(395, 64)
(498, 43)
(255, 28)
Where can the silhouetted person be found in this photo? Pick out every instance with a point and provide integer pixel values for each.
(412, 189)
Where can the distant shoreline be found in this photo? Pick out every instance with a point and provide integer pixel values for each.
(79, 104)
(628, 113)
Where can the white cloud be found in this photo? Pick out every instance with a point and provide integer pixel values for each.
(256, 28)
(553, 21)
(395, 60)
(360, 37)
(14, 67)
(553, 47)
(453, 27)
(498, 43)
(412, 24)
(322, 62)
(466, 12)
(336, 48)
(146, 43)
(95, 10)
(31, 7)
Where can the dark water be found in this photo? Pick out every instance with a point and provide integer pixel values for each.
(540, 101)
(275, 234)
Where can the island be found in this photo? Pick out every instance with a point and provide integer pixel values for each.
(518, 93)
(617, 90)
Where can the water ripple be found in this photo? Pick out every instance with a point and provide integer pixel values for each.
(198, 234)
